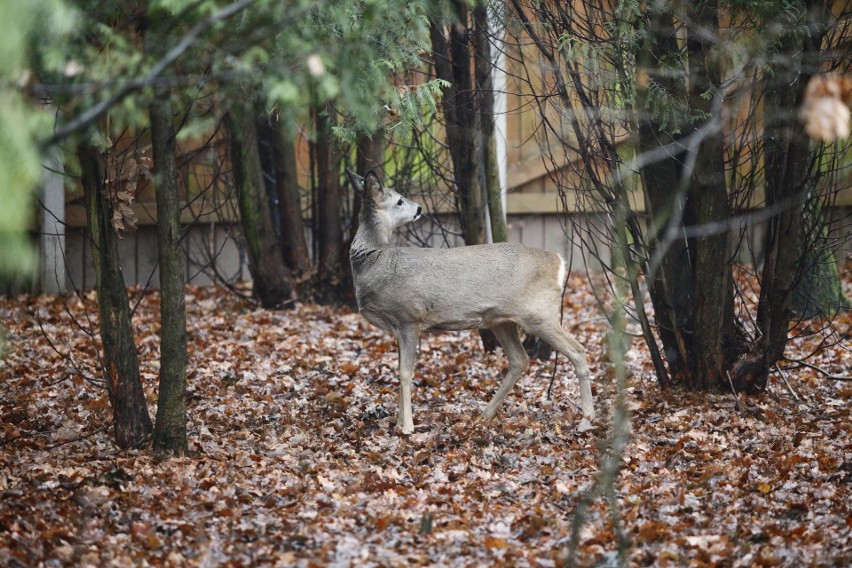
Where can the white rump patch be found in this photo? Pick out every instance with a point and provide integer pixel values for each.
(561, 275)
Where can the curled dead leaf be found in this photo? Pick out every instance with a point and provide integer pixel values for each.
(826, 107)
(493, 542)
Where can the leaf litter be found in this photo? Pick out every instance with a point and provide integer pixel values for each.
(298, 463)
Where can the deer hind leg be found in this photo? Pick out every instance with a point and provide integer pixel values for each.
(507, 335)
(564, 342)
(407, 341)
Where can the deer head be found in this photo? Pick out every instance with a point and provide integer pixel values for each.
(382, 207)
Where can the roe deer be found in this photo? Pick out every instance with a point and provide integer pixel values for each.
(498, 286)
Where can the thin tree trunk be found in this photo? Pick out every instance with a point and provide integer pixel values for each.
(293, 242)
(451, 56)
(369, 156)
(671, 286)
(452, 60)
(170, 428)
(708, 198)
(272, 284)
(484, 70)
(131, 421)
(264, 127)
(332, 273)
(788, 177)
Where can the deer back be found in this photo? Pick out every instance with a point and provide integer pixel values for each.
(458, 288)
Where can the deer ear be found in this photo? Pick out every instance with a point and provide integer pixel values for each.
(372, 185)
(356, 180)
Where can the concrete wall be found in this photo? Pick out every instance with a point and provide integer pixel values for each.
(215, 253)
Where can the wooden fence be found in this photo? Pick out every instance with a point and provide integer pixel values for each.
(215, 252)
(213, 242)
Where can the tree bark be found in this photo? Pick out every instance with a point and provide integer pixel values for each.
(293, 243)
(484, 70)
(788, 179)
(708, 197)
(131, 421)
(333, 277)
(369, 156)
(452, 60)
(671, 286)
(692, 287)
(463, 121)
(272, 283)
(170, 428)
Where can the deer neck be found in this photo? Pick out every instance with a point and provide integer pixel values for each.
(373, 236)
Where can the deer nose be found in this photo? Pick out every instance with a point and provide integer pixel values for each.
(419, 210)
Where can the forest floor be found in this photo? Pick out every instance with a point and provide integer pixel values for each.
(297, 461)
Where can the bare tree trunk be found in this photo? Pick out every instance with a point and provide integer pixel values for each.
(484, 70)
(692, 286)
(170, 429)
(708, 197)
(369, 156)
(451, 56)
(293, 242)
(788, 179)
(120, 362)
(671, 286)
(333, 278)
(272, 283)
(452, 60)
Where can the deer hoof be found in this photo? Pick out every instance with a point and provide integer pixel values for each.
(405, 426)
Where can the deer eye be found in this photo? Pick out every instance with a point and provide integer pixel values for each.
(399, 203)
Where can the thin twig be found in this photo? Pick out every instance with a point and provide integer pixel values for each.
(80, 438)
(786, 383)
(825, 374)
(92, 381)
(733, 390)
(32, 434)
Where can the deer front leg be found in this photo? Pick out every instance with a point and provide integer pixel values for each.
(510, 341)
(407, 340)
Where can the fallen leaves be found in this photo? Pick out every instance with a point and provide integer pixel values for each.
(292, 417)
